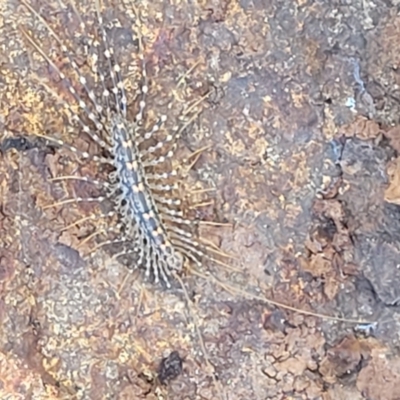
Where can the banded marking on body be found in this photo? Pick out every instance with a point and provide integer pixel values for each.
(140, 204)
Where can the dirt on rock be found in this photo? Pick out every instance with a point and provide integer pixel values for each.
(302, 135)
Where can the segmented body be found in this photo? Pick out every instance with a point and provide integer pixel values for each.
(153, 226)
(138, 206)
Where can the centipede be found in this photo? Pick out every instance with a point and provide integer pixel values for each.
(145, 200)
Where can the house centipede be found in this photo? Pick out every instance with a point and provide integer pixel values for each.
(151, 220)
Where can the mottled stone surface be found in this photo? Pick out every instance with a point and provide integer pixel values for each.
(303, 131)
